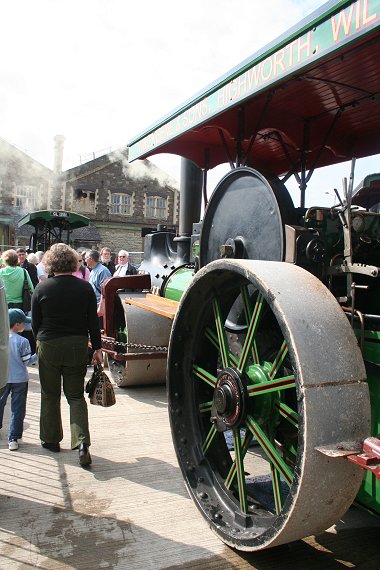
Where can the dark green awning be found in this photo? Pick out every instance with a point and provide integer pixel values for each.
(55, 218)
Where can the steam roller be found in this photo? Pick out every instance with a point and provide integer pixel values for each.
(264, 372)
(274, 352)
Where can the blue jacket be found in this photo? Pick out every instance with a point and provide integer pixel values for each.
(97, 277)
(20, 355)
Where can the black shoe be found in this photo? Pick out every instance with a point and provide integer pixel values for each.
(84, 455)
(51, 446)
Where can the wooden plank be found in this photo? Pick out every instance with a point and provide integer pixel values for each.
(159, 305)
(125, 356)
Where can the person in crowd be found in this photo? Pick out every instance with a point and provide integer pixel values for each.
(39, 255)
(20, 355)
(82, 271)
(13, 278)
(124, 267)
(42, 275)
(105, 258)
(28, 334)
(64, 313)
(98, 274)
(25, 264)
(4, 341)
(32, 258)
(83, 255)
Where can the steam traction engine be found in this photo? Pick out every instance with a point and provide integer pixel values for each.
(273, 363)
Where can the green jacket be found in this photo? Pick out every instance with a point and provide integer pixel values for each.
(13, 279)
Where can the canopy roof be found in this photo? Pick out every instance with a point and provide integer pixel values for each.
(55, 218)
(309, 99)
(367, 193)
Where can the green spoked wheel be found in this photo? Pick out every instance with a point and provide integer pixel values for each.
(263, 369)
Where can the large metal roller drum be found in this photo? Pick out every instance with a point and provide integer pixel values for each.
(250, 411)
(245, 218)
(145, 328)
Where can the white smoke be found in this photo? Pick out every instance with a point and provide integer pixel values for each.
(140, 169)
(17, 160)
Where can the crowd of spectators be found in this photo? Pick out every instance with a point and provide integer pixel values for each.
(66, 288)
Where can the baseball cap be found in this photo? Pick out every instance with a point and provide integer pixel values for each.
(17, 316)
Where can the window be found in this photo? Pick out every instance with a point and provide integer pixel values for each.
(26, 197)
(84, 199)
(156, 207)
(121, 204)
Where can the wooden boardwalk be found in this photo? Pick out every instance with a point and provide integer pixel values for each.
(131, 509)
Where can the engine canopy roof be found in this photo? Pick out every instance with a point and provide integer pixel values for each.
(311, 98)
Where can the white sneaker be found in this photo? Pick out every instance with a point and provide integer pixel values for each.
(13, 445)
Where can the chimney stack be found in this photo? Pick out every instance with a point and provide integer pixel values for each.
(56, 199)
(58, 153)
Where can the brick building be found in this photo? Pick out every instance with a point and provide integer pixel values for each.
(123, 201)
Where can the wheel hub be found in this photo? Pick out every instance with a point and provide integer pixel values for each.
(229, 401)
(222, 398)
(263, 407)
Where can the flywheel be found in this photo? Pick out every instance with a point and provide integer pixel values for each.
(250, 409)
(245, 218)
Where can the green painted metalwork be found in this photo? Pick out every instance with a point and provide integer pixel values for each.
(239, 456)
(177, 283)
(273, 456)
(204, 375)
(224, 352)
(212, 337)
(205, 407)
(244, 448)
(209, 439)
(248, 315)
(251, 332)
(369, 494)
(267, 410)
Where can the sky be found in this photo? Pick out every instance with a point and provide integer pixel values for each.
(100, 72)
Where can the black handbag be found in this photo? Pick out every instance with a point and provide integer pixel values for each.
(26, 295)
(100, 389)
